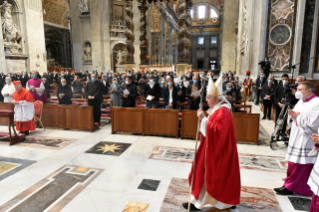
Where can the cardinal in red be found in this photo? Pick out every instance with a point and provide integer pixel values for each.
(216, 165)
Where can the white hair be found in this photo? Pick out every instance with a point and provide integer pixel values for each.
(301, 77)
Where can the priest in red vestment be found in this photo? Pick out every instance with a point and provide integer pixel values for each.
(24, 109)
(216, 165)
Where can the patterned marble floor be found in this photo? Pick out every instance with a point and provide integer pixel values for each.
(56, 170)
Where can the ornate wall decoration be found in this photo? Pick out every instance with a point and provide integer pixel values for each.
(130, 38)
(118, 13)
(84, 7)
(143, 38)
(280, 33)
(155, 21)
(87, 52)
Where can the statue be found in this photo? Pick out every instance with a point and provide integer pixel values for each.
(11, 32)
(119, 58)
(84, 6)
(87, 53)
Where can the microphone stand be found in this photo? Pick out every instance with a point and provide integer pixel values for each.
(293, 67)
(203, 86)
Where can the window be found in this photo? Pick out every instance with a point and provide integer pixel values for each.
(201, 41)
(213, 13)
(192, 13)
(214, 40)
(201, 12)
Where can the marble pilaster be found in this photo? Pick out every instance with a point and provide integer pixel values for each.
(2, 54)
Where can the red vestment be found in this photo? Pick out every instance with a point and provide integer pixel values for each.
(24, 112)
(217, 164)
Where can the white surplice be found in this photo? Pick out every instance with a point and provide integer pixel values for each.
(40, 90)
(307, 123)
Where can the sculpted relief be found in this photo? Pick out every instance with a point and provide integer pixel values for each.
(11, 32)
(84, 6)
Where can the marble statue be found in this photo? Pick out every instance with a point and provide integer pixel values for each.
(87, 53)
(84, 6)
(11, 32)
(119, 58)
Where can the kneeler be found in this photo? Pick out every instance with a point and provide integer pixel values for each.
(14, 138)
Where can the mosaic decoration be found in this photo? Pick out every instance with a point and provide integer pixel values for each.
(118, 13)
(246, 161)
(252, 199)
(280, 26)
(109, 148)
(54, 192)
(10, 166)
(45, 142)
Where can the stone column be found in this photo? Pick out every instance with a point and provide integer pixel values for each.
(3, 66)
(143, 38)
(129, 33)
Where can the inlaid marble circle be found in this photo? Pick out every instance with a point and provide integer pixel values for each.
(280, 34)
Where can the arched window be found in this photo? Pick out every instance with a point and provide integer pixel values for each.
(201, 11)
(191, 13)
(213, 13)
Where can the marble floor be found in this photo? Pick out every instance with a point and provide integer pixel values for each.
(77, 171)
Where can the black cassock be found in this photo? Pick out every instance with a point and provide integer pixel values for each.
(66, 99)
(130, 100)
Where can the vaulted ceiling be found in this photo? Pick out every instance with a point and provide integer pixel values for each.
(56, 12)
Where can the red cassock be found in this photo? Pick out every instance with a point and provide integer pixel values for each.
(217, 164)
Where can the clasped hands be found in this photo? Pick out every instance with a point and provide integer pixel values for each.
(293, 114)
(201, 114)
(315, 138)
(91, 97)
(16, 102)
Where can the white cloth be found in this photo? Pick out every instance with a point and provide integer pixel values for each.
(23, 112)
(313, 180)
(170, 99)
(307, 123)
(39, 90)
(204, 197)
(8, 89)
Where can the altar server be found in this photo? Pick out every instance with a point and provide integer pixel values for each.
(8, 90)
(216, 175)
(24, 109)
(304, 121)
(36, 88)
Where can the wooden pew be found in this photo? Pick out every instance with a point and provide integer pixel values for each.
(145, 121)
(246, 126)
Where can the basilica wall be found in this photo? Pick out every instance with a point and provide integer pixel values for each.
(24, 47)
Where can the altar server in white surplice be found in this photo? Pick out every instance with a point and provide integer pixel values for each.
(304, 121)
(8, 90)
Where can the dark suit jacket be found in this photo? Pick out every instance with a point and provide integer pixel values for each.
(105, 88)
(268, 91)
(279, 93)
(66, 99)
(166, 97)
(183, 91)
(260, 83)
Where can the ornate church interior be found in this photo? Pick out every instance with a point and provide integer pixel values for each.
(159, 105)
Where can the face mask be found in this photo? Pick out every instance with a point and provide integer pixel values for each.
(34, 76)
(63, 84)
(248, 76)
(195, 81)
(269, 81)
(7, 82)
(298, 95)
(44, 81)
(115, 82)
(93, 79)
(127, 82)
(229, 75)
(284, 82)
(8, 75)
(151, 81)
(180, 84)
(62, 75)
(262, 76)
(228, 89)
(162, 85)
(170, 84)
(186, 84)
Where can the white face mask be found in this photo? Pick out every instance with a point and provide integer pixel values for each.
(127, 82)
(298, 95)
(269, 81)
(115, 82)
(284, 82)
(151, 81)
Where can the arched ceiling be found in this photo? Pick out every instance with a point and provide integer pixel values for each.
(56, 12)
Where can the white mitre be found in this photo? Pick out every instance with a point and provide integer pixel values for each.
(215, 89)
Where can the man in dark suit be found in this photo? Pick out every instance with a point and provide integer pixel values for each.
(24, 79)
(265, 65)
(105, 85)
(95, 98)
(128, 99)
(192, 94)
(274, 81)
(260, 83)
(279, 94)
(267, 97)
